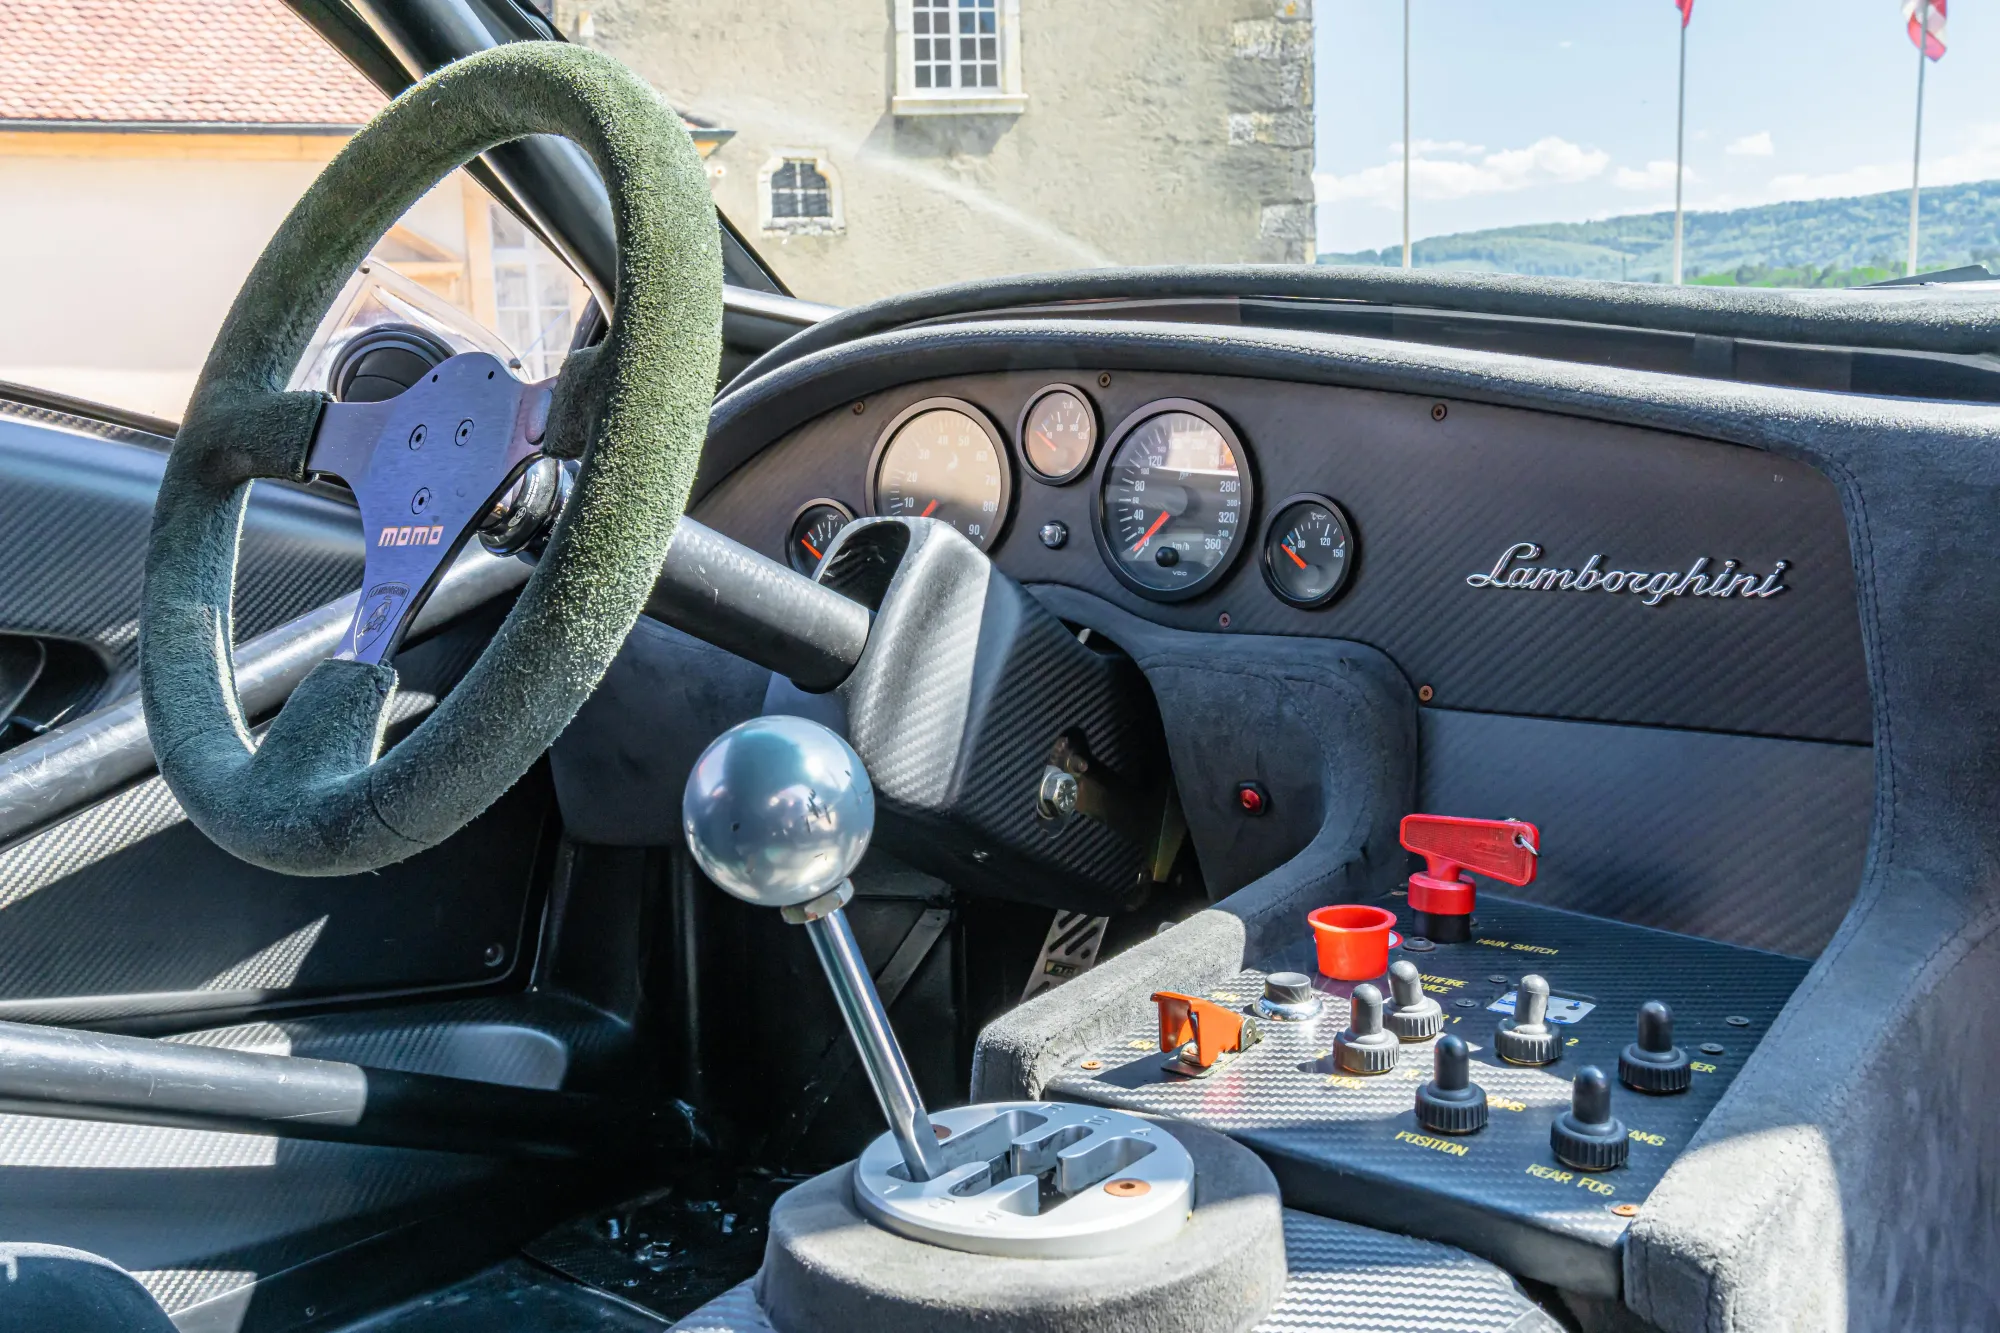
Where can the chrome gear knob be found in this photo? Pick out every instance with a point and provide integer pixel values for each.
(778, 811)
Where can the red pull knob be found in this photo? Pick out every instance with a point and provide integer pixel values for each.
(1502, 849)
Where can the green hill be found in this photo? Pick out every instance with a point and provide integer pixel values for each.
(1812, 243)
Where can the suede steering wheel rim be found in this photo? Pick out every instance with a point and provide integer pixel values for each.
(318, 796)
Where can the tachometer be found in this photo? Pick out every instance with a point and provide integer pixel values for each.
(1174, 498)
(941, 459)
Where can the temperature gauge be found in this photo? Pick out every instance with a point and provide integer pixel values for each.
(1308, 550)
(1058, 434)
(813, 530)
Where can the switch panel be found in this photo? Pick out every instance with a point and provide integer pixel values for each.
(1351, 1147)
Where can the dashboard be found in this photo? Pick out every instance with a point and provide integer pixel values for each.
(1631, 632)
(1508, 561)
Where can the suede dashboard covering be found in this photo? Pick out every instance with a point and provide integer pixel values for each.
(314, 798)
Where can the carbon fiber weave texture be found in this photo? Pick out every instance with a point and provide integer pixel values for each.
(1343, 1279)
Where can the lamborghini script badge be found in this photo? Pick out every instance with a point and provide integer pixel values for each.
(1511, 570)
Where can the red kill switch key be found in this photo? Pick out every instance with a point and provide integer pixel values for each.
(1440, 894)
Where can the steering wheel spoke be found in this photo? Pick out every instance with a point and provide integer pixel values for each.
(424, 466)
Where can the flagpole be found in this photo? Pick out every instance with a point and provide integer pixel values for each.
(1917, 151)
(1680, 149)
(1406, 133)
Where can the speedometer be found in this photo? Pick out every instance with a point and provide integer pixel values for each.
(941, 459)
(1174, 499)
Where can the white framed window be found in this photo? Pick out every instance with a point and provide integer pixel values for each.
(958, 58)
(798, 194)
(536, 299)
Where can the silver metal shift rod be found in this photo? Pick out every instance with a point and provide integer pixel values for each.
(778, 812)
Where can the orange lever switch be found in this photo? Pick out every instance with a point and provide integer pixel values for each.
(1211, 1031)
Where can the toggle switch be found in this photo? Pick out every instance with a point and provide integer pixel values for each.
(1527, 1038)
(1200, 1034)
(1451, 1103)
(1414, 1016)
(1289, 997)
(1364, 1046)
(1653, 1063)
(1587, 1136)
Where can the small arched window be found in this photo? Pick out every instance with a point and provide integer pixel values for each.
(798, 192)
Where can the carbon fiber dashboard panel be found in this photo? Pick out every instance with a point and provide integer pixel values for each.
(1342, 1279)
(1654, 826)
(1350, 1147)
(1435, 498)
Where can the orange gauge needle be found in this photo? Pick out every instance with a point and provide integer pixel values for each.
(927, 509)
(1149, 532)
(1043, 436)
(1286, 549)
(809, 546)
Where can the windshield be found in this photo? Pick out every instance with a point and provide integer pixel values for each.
(899, 143)
(148, 148)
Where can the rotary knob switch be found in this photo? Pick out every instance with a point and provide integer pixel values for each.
(1587, 1136)
(1288, 997)
(1416, 1016)
(1653, 1063)
(1527, 1038)
(1364, 1047)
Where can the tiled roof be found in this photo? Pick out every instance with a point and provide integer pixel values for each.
(239, 62)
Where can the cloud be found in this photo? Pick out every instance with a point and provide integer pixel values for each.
(1456, 170)
(1437, 148)
(1752, 145)
(1656, 176)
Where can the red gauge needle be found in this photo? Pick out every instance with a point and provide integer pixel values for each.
(1157, 523)
(809, 546)
(1286, 549)
(1043, 436)
(927, 509)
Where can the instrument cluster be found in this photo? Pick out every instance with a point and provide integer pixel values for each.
(1174, 492)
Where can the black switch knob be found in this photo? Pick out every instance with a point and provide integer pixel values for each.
(1587, 1136)
(1416, 1016)
(1365, 1048)
(1653, 1063)
(1527, 1038)
(1289, 997)
(1451, 1103)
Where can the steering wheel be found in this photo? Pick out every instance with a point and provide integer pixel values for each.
(317, 796)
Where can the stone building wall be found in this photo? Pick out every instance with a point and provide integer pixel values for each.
(1148, 132)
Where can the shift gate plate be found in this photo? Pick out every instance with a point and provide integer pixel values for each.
(1029, 1180)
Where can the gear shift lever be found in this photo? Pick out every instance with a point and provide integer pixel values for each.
(778, 812)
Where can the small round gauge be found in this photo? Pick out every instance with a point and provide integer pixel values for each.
(941, 459)
(1174, 498)
(1308, 550)
(1058, 434)
(813, 530)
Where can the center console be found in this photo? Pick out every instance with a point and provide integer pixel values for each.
(1350, 1144)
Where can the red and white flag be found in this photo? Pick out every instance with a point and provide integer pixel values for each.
(1926, 22)
(1687, 10)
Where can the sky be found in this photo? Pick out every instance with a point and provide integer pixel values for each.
(1563, 111)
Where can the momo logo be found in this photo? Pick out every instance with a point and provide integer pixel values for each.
(419, 535)
(1511, 570)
